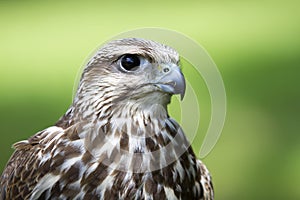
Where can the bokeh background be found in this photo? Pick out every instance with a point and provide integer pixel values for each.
(255, 44)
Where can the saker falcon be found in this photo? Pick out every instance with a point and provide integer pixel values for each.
(116, 141)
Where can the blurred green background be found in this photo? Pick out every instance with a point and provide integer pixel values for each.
(255, 44)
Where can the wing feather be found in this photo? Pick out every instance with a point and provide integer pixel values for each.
(20, 174)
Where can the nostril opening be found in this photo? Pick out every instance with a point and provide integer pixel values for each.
(166, 70)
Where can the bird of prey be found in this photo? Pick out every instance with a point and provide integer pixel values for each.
(116, 141)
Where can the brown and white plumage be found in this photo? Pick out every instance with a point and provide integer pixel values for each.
(116, 141)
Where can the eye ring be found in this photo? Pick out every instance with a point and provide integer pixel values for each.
(130, 62)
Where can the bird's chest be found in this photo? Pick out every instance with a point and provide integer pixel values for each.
(116, 164)
(103, 181)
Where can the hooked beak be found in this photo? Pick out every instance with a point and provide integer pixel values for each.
(172, 81)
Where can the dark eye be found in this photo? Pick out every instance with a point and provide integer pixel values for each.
(130, 62)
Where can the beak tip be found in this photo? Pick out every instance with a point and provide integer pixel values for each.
(182, 96)
(183, 88)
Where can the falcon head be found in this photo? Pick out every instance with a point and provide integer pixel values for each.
(131, 70)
